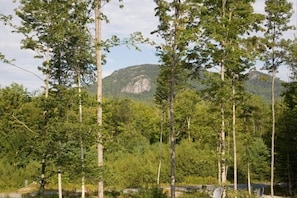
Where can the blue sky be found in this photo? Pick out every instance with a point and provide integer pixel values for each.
(137, 15)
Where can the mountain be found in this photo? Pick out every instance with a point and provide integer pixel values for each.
(139, 83)
(260, 84)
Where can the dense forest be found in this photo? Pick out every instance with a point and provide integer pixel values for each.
(67, 139)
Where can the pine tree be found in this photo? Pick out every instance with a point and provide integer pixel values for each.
(176, 28)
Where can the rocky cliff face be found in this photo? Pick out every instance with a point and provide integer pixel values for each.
(137, 85)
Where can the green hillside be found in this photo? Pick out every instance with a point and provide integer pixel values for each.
(114, 85)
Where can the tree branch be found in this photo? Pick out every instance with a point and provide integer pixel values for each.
(22, 123)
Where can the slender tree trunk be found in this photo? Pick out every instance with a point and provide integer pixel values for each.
(160, 164)
(42, 179)
(99, 95)
(43, 162)
(189, 127)
(223, 143)
(222, 138)
(247, 151)
(173, 66)
(223, 149)
(83, 189)
(289, 175)
(82, 157)
(273, 132)
(223, 153)
(249, 178)
(161, 153)
(60, 183)
(219, 164)
(172, 132)
(47, 62)
(59, 172)
(234, 138)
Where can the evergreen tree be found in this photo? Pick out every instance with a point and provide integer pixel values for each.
(174, 28)
(285, 162)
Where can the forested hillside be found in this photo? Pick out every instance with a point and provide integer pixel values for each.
(132, 133)
(257, 83)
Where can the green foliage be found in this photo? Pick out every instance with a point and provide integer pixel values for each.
(286, 136)
(131, 170)
(131, 140)
(290, 59)
(64, 32)
(257, 84)
(194, 160)
(194, 195)
(279, 13)
(14, 175)
(196, 35)
(148, 193)
(240, 194)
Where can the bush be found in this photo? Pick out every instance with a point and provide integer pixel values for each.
(200, 180)
(195, 195)
(239, 194)
(148, 193)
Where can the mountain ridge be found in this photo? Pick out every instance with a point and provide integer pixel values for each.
(138, 82)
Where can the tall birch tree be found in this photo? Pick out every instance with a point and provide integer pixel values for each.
(54, 30)
(227, 25)
(278, 14)
(99, 93)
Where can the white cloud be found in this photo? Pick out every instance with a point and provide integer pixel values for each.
(135, 16)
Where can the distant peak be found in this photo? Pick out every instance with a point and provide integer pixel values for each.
(138, 85)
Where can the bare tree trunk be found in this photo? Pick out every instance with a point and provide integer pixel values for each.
(223, 153)
(42, 179)
(161, 153)
(159, 170)
(273, 132)
(189, 127)
(219, 165)
(289, 175)
(234, 138)
(43, 162)
(60, 183)
(249, 178)
(172, 133)
(99, 95)
(223, 141)
(222, 138)
(223, 149)
(247, 152)
(59, 172)
(82, 157)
